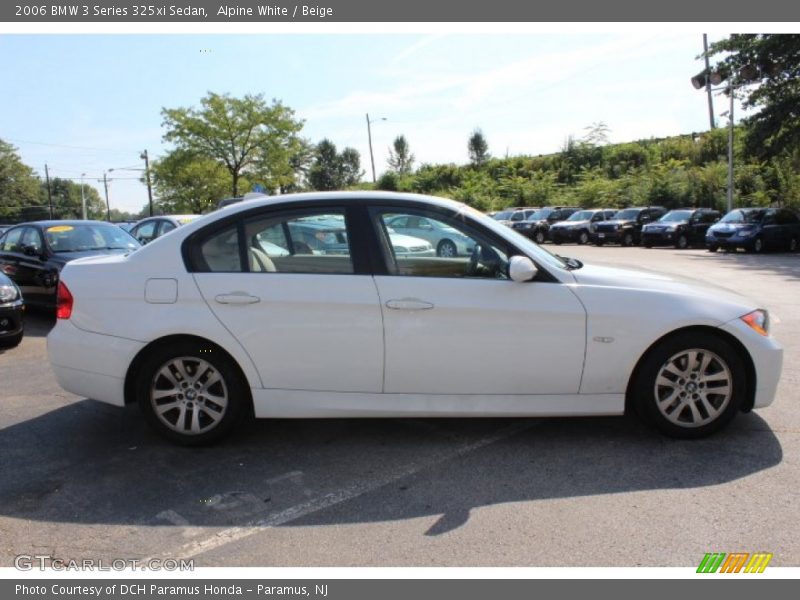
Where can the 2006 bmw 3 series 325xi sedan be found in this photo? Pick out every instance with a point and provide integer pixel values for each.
(233, 315)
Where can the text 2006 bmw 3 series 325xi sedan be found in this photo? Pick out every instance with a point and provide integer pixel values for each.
(228, 317)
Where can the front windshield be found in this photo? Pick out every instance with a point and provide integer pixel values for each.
(85, 237)
(628, 213)
(541, 214)
(676, 215)
(581, 215)
(743, 216)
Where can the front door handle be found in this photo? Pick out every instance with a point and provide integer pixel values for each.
(408, 304)
(237, 298)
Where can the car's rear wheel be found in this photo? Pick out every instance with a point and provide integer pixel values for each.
(793, 245)
(627, 239)
(682, 242)
(446, 249)
(758, 245)
(690, 386)
(191, 392)
(713, 247)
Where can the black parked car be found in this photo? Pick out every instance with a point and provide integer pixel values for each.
(33, 254)
(626, 226)
(536, 225)
(580, 225)
(11, 309)
(756, 230)
(681, 228)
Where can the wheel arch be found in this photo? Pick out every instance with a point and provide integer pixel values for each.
(134, 370)
(750, 369)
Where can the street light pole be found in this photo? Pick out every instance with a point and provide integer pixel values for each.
(369, 136)
(730, 149)
(708, 82)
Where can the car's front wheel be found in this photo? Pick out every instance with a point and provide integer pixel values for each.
(12, 341)
(191, 392)
(583, 238)
(682, 242)
(627, 239)
(539, 237)
(690, 385)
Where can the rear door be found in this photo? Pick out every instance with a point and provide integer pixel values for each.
(309, 319)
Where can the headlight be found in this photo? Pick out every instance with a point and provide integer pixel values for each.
(401, 249)
(8, 293)
(758, 321)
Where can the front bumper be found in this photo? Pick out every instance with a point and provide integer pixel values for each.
(11, 319)
(767, 356)
(91, 365)
(564, 235)
(608, 237)
(660, 238)
(731, 242)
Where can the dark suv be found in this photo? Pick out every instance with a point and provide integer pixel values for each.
(681, 228)
(626, 226)
(580, 225)
(756, 229)
(538, 224)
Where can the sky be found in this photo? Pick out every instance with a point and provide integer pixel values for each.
(85, 103)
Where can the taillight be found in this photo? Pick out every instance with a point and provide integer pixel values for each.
(63, 302)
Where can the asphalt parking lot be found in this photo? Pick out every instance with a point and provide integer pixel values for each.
(84, 480)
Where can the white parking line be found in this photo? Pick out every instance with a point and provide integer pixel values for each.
(359, 488)
(180, 521)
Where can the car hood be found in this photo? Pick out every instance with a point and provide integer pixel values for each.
(567, 225)
(732, 226)
(398, 239)
(618, 222)
(731, 303)
(662, 224)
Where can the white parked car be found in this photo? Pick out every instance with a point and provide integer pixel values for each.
(203, 327)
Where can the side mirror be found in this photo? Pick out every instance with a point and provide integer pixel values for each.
(29, 251)
(521, 269)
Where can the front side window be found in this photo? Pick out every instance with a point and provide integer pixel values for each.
(146, 232)
(453, 250)
(11, 241)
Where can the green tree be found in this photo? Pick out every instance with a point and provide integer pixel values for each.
(400, 160)
(19, 187)
(478, 149)
(188, 183)
(775, 128)
(67, 202)
(332, 170)
(246, 135)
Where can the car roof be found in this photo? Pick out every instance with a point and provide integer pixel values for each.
(55, 223)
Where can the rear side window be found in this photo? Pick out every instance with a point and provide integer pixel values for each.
(787, 217)
(220, 252)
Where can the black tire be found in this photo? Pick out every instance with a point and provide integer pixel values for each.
(447, 249)
(627, 239)
(11, 342)
(713, 248)
(539, 237)
(682, 243)
(232, 385)
(793, 245)
(583, 238)
(644, 390)
(758, 245)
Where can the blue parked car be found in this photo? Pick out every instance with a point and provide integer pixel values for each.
(756, 230)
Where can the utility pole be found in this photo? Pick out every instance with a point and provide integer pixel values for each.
(108, 206)
(708, 82)
(731, 89)
(371, 156)
(143, 156)
(49, 195)
(83, 198)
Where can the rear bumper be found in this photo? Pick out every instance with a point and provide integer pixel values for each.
(90, 364)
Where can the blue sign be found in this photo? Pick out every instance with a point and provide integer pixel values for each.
(258, 188)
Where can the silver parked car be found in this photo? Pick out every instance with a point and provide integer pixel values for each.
(447, 241)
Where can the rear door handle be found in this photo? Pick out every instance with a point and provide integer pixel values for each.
(408, 304)
(237, 298)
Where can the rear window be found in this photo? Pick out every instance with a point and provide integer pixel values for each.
(88, 237)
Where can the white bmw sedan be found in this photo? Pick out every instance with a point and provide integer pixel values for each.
(207, 326)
